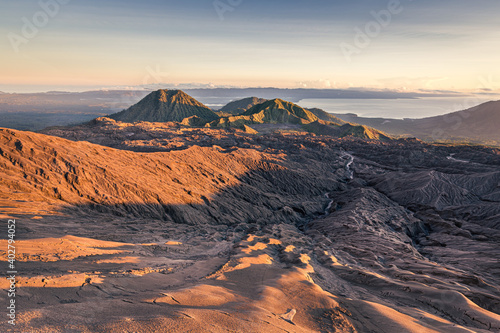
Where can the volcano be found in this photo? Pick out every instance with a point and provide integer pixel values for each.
(163, 106)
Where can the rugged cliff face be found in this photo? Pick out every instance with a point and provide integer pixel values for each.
(271, 232)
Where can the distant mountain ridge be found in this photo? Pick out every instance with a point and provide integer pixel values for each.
(176, 106)
(163, 106)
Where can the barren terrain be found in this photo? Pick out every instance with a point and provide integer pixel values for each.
(151, 227)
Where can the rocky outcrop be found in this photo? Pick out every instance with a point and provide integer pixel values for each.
(194, 121)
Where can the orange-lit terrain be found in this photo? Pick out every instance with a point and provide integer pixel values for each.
(201, 229)
(233, 166)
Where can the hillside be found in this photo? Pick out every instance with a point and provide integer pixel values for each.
(274, 111)
(240, 106)
(163, 106)
(323, 115)
(52, 172)
(278, 110)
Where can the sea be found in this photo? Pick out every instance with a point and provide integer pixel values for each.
(398, 108)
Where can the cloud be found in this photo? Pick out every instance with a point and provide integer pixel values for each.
(317, 84)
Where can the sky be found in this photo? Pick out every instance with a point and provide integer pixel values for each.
(405, 45)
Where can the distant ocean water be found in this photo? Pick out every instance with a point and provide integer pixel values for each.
(398, 108)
